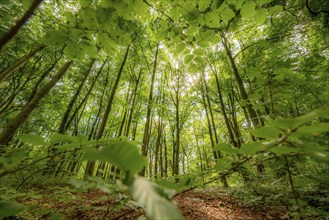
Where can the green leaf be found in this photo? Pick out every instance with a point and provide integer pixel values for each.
(188, 59)
(248, 9)
(291, 123)
(263, 2)
(122, 154)
(313, 130)
(35, 140)
(203, 5)
(193, 28)
(84, 3)
(9, 208)
(252, 148)
(266, 132)
(276, 9)
(57, 138)
(71, 51)
(224, 147)
(212, 20)
(320, 157)
(223, 163)
(198, 51)
(157, 207)
(227, 14)
(281, 150)
(106, 42)
(203, 43)
(260, 16)
(56, 38)
(88, 47)
(180, 47)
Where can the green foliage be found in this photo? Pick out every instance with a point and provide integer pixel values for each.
(9, 208)
(260, 16)
(34, 140)
(122, 154)
(266, 132)
(157, 207)
(248, 9)
(281, 65)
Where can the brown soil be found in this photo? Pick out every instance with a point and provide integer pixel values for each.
(194, 205)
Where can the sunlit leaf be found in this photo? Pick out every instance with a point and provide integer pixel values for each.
(260, 16)
(276, 9)
(57, 138)
(203, 5)
(227, 14)
(212, 20)
(248, 9)
(122, 154)
(156, 206)
(35, 140)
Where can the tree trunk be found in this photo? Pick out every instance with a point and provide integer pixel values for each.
(91, 164)
(4, 75)
(19, 24)
(148, 114)
(132, 105)
(178, 130)
(63, 127)
(13, 125)
(111, 98)
(242, 90)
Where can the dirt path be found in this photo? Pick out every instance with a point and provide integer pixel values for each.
(198, 205)
(194, 205)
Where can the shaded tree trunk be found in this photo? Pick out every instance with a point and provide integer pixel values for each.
(14, 124)
(91, 164)
(19, 24)
(4, 74)
(148, 113)
(63, 125)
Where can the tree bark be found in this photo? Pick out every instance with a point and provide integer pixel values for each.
(19, 24)
(62, 127)
(91, 164)
(4, 75)
(148, 114)
(111, 98)
(242, 90)
(13, 125)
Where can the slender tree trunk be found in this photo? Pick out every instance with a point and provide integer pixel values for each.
(19, 24)
(216, 154)
(165, 155)
(157, 148)
(242, 90)
(132, 105)
(4, 75)
(178, 130)
(124, 114)
(91, 164)
(43, 76)
(111, 98)
(148, 114)
(7, 103)
(63, 127)
(13, 125)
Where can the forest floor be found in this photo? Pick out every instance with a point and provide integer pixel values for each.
(95, 204)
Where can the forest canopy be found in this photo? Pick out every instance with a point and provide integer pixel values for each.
(147, 99)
